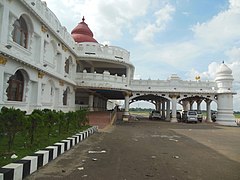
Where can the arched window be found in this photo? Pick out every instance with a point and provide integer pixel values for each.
(16, 86)
(65, 97)
(67, 66)
(20, 32)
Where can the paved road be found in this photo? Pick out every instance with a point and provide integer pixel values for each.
(151, 150)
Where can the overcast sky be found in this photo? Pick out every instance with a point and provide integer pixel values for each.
(186, 37)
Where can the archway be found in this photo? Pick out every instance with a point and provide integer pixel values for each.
(202, 104)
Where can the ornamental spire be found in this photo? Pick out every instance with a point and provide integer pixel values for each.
(83, 19)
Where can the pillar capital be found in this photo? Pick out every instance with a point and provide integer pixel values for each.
(127, 93)
(3, 60)
(40, 74)
(208, 101)
(174, 95)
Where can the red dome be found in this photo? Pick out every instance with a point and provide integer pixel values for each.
(82, 33)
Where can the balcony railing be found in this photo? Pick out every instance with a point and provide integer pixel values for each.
(170, 85)
(104, 80)
(100, 51)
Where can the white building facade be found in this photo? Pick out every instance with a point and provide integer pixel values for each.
(44, 66)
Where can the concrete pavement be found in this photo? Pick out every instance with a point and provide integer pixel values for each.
(151, 150)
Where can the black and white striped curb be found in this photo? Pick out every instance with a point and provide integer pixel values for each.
(29, 164)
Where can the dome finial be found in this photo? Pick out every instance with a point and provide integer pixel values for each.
(223, 62)
(83, 19)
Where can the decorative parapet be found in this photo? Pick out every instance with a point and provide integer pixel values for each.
(170, 86)
(40, 74)
(44, 28)
(104, 80)
(61, 82)
(3, 60)
(100, 51)
(64, 48)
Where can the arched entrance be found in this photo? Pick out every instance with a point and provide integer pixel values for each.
(161, 103)
(198, 103)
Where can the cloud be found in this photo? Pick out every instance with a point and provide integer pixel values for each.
(234, 4)
(218, 35)
(210, 74)
(162, 17)
(223, 29)
(107, 19)
(233, 54)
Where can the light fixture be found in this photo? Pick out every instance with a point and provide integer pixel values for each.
(8, 46)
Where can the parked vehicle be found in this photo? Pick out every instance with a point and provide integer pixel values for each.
(179, 117)
(155, 115)
(192, 116)
(213, 115)
(199, 116)
(184, 116)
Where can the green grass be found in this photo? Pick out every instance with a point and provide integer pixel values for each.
(140, 113)
(237, 116)
(23, 148)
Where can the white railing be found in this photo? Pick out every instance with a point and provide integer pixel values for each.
(172, 85)
(100, 51)
(104, 80)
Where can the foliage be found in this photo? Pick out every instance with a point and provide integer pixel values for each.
(50, 119)
(34, 122)
(138, 109)
(23, 134)
(12, 122)
(82, 118)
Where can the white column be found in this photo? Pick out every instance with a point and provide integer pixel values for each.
(191, 105)
(208, 118)
(126, 112)
(126, 103)
(163, 109)
(96, 103)
(168, 111)
(157, 105)
(90, 102)
(174, 109)
(225, 110)
(185, 105)
(128, 74)
(1, 81)
(199, 105)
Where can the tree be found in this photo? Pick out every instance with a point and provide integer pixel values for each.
(61, 120)
(82, 119)
(34, 121)
(50, 119)
(12, 121)
(70, 118)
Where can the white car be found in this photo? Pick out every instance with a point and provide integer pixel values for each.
(155, 115)
(192, 116)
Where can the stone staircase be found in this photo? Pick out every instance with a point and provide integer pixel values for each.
(100, 119)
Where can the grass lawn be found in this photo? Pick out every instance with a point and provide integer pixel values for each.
(140, 113)
(237, 116)
(23, 148)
